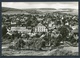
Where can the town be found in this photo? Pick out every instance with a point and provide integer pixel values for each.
(36, 31)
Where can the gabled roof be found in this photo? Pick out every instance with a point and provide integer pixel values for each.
(75, 31)
(39, 24)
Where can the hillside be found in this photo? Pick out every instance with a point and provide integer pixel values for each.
(12, 10)
(46, 9)
(4, 9)
(40, 10)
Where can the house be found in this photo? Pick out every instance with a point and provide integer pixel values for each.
(13, 23)
(75, 32)
(20, 29)
(7, 24)
(40, 28)
(67, 23)
(39, 19)
(74, 27)
(51, 24)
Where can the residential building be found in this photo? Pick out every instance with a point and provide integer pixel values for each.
(20, 29)
(39, 19)
(74, 27)
(40, 28)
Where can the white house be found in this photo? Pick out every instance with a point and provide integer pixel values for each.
(74, 27)
(13, 23)
(39, 19)
(40, 28)
(51, 24)
(20, 29)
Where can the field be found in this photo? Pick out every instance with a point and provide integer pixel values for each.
(72, 51)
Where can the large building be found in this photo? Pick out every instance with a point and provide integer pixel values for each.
(40, 28)
(20, 29)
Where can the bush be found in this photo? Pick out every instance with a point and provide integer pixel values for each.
(61, 52)
(11, 47)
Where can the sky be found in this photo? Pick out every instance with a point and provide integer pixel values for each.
(27, 5)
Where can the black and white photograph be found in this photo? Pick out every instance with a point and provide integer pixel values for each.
(40, 28)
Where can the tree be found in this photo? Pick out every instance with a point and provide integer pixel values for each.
(58, 23)
(20, 44)
(64, 32)
(4, 31)
(18, 22)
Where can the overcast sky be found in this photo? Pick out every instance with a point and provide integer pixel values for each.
(25, 5)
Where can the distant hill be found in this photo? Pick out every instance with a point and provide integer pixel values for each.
(4, 9)
(40, 10)
(67, 9)
(32, 11)
(46, 8)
